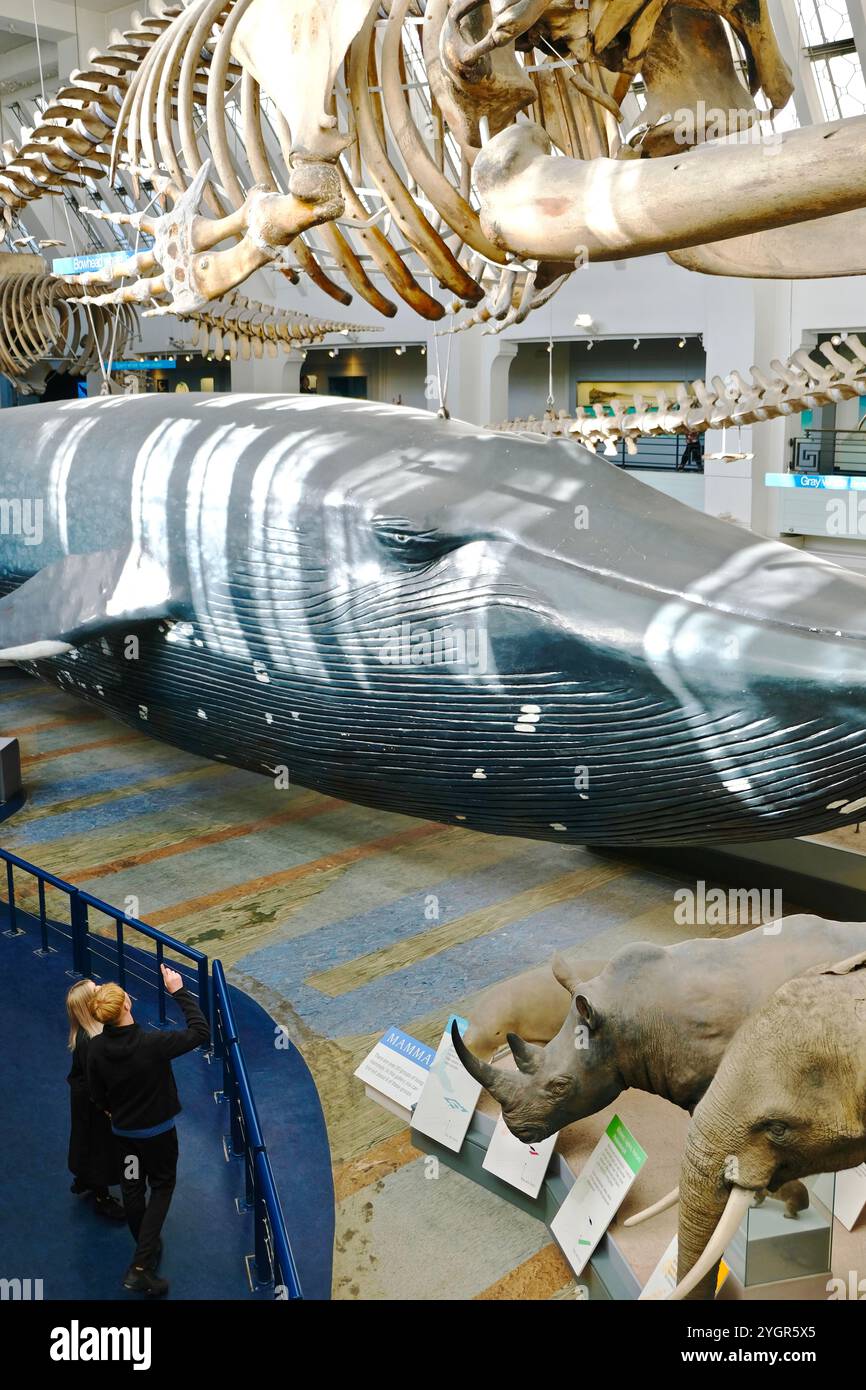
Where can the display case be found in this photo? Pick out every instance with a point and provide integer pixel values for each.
(776, 1243)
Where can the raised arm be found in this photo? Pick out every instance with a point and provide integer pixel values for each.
(177, 1041)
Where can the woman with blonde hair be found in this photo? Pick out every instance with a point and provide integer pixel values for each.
(93, 1159)
(129, 1074)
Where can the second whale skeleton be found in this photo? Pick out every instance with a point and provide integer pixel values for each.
(45, 322)
(475, 147)
(805, 381)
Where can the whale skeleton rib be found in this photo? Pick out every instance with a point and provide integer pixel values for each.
(409, 146)
(802, 383)
(42, 320)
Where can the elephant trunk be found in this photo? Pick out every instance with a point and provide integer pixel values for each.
(710, 1213)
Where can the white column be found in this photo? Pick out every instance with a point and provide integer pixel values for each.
(729, 342)
(293, 364)
(498, 355)
(259, 374)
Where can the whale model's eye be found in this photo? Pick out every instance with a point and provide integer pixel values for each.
(413, 544)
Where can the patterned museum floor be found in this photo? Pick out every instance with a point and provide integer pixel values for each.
(339, 920)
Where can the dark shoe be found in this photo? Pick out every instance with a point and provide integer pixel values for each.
(143, 1281)
(110, 1207)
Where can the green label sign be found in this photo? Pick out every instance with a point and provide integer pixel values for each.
(626, 1144)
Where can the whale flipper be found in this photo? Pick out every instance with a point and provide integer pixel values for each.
(81, 597)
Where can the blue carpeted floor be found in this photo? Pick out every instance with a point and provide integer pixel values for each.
(47, 1234)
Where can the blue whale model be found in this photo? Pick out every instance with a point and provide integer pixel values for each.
(416, 614)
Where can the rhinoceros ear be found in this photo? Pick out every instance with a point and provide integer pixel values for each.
(588, 1014)
(564, 974)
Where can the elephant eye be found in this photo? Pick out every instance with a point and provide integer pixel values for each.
(777, 1129)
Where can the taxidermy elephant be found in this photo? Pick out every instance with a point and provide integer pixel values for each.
(656, 1018)
(789, 1099)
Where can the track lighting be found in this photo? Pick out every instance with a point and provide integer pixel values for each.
(636, 344)
(590, 345)
(681, 343)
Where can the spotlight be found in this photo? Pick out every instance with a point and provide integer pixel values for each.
(590, 345)
(681, 343)
(636, 344)
(189, 357)
(423, 352)
(333, 352)
(399, 351)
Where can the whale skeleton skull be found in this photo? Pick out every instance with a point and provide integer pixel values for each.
(476, 147)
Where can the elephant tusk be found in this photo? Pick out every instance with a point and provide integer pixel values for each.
(669, 1200)
(739, 1201)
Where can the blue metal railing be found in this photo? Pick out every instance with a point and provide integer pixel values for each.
(272, 1260)
(88, 946)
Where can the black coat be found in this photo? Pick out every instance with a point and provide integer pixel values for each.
(129, 1067)
(93, 1152)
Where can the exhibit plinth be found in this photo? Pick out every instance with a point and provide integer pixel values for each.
(627, 1256)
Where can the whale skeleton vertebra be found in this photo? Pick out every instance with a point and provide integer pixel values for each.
(239, 327)
(805, 381)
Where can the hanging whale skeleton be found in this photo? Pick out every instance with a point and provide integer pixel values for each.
(413, 613)
(833, 372)
(480, 147)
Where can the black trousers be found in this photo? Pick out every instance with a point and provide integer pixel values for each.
(153, 1163)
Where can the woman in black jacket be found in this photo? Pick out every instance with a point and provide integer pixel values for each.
(129, 1075)
(93, 1159)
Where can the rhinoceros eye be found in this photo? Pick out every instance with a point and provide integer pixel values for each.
(559, 1085)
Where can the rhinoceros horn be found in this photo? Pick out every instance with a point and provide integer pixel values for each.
(528, 1056)
(504, 1086)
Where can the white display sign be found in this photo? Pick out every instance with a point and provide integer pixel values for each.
(663, 1279)
(850, 1198)
(597, 1194)
(449, 1097)
(521, 1165)
(395, 1071)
